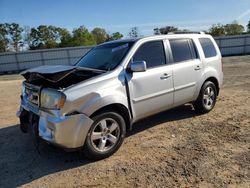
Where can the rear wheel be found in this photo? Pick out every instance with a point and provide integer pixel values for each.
(207, 98)
(105, 135)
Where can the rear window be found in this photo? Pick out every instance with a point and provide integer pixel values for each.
(208, 47)
(183, 50)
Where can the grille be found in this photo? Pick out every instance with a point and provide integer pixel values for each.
(32, 93)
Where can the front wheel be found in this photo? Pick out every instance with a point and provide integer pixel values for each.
(105, 135)
(207, 98)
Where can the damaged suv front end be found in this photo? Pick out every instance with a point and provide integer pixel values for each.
(57, 101)
(42, 110)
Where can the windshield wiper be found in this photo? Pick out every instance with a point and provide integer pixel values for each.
(90, 69)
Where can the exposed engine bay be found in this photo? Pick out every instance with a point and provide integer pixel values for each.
(60, 76)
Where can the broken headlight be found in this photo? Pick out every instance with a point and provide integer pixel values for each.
(52, 99)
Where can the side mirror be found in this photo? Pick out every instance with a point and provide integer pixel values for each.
(138, 66)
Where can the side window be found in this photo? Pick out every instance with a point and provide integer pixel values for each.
(151, 52)
(183, 50)
(208, 47)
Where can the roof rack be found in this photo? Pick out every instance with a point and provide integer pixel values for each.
(187, 32)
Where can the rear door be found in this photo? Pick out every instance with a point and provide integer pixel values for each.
(186, 70)
(151, 91)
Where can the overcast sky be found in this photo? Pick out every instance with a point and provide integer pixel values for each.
(121, 15)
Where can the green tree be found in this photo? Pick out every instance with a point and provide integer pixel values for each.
(248, 27)
(134, 32)
(3, 38)
(114, 36)
(47, 37)
(33, 39)
(82, 37)
(100, 35)
(15, 35)
(217, 30)
(65, 37)
(28, 38)
(165, 30)
(234, 28)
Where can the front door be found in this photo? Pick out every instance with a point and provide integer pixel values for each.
(151, 91)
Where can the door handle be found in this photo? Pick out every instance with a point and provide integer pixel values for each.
(197, 68)
(165, 76)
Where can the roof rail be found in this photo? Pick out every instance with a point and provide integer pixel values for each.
(186, 32)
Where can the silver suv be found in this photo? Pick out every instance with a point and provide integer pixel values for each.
(92, 104)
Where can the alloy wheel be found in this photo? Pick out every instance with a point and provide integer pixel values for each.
(105, 135)
(209, 97)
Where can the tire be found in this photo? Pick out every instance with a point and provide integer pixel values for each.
(206, 99)
(24, 121)
(24, 127)
(105, 136)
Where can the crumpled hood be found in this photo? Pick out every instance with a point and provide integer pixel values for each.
(60, 75)
(47, 69)
(49, 73)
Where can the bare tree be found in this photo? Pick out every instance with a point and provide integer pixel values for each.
(134, 32)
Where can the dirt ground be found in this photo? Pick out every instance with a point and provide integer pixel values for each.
(177, 148)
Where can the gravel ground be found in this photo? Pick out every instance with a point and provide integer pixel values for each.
(176, 148)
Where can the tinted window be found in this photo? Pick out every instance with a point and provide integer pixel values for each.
(181, 50)
(208, 47)
(151, 52)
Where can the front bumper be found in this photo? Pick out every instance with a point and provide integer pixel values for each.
(68, 132)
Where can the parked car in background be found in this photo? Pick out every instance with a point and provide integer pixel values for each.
(91, 105)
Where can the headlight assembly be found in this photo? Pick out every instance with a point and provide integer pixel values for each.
(52, 99)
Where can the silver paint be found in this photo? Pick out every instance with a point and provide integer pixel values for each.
(151, 91)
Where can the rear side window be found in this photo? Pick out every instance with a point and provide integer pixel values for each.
(151, 52)
(208, 47)
(183, 50)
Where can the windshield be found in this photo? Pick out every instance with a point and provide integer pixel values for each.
(105, 57)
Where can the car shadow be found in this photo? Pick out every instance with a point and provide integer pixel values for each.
(175, 114)
(21, 162)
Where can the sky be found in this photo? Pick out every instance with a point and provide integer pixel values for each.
(121, 15)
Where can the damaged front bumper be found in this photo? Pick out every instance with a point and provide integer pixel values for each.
(67, 131)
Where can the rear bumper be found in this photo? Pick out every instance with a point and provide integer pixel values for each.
(68, 132)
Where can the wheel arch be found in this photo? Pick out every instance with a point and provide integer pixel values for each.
(215, 81)
(116, 107)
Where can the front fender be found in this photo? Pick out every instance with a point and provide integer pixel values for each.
(90, 103)
(100, 101)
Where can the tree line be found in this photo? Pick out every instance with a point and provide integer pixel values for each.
(14, 37)
(215, 30)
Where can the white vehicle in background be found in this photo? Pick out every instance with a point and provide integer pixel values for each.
(92, 104)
